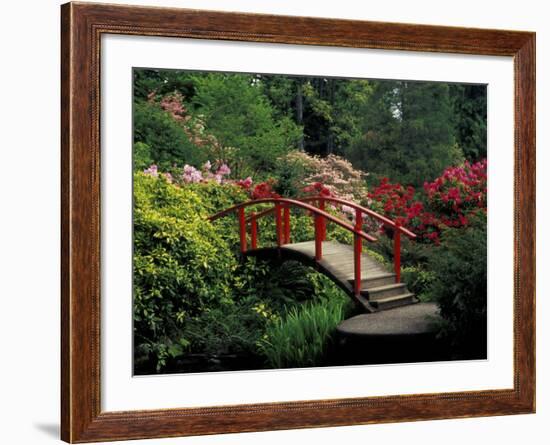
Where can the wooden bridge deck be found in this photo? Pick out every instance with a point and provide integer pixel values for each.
(379, 290)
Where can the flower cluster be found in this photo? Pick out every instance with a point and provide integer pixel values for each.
(318, 189)
(264, 190)
(244, 183)
(153, 171)
(450, 199)
(459, 191)
(190, 174)
(193, 126)
(398, 203)
(335, 173)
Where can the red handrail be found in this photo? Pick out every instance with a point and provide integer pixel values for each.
(364, 210)
(282, 217)
(294, 203)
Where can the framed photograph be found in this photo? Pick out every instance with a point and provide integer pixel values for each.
(274, 222)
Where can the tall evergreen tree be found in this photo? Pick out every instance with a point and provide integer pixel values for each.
(407, 131)
(470, 117)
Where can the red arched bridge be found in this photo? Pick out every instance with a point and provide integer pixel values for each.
(364, 278)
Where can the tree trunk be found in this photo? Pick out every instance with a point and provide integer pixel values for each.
(300, 111)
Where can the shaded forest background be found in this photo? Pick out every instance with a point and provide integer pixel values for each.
(409, 130)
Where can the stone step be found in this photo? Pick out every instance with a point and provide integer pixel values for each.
(388, 290)
(392, 302)
(376, 280)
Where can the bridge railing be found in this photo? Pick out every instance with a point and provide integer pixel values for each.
(281, 209)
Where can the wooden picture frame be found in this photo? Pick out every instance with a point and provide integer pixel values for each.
(82, 26)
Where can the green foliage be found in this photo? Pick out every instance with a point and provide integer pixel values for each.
(181, 266)
(418, 281)
(277, 285)
(289, 173)
(408, 132)
(224, 330)
(217, 197)
(237, 112)
(167, 141)
(142, 156)
(302, 336)
(460, 286)
(470, 108)
(413, 253)
(161, 82)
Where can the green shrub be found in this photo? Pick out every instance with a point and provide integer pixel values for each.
(413, 253)
(217, 197)
(167, 141)
(142, 156)
(227, 329)
(418, 281)
(181, 266)
(277, 285)
(459, 266)
(243, 121)
(302, 336)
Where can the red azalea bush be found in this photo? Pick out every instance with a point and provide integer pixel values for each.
(317, 189)
(398, 203)
(450, 200)
(458, 192)
(264, 190)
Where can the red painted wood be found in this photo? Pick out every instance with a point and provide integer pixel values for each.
(357, 248)
(318, 238)
(366, 211)
(253, 232)
(293, 202)
(242, 229)
(323, 222)
(397, 255)
(278, 224)
(286, 218)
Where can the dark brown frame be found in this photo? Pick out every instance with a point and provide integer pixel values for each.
(81, 27)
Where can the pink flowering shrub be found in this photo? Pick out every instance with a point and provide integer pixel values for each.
(331, 176)
(194, 127)
(244, 183)
(191, 175)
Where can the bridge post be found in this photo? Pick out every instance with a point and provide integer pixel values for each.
(323, 222)
(318, 237)
(397, 253)
(242, 229)
(357, 249)
(253, 231)
(286, 218)
(278, 224)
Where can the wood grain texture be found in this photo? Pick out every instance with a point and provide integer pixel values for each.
(82, 27)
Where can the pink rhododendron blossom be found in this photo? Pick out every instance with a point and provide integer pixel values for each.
(244, 183)
(224, 170)
(191, 174)
(152, 170)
